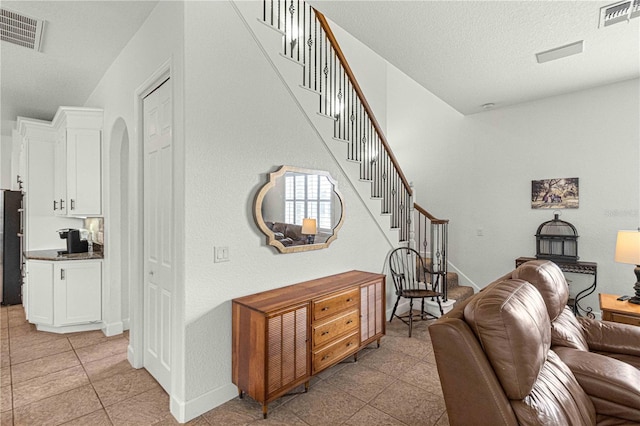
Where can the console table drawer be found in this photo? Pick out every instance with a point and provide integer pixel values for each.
(324, 307)
(335, 352)
(625, 319)
(322, 333)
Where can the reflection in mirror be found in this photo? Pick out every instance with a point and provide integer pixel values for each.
(299, 209)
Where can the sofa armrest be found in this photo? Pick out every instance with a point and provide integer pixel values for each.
(612, 385)
(606, 336)
(472, 393)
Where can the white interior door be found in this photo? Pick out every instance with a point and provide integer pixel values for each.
(158, 234)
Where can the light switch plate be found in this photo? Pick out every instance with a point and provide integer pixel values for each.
(221, 254)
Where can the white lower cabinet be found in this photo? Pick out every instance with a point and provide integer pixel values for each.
(64, 296)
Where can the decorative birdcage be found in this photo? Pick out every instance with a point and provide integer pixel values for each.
(557, 240)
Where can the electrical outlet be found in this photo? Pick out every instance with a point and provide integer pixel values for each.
(220, 254)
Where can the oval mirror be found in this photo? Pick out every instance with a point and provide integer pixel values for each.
(299, 209)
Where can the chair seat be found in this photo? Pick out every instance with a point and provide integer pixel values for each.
(419, 294)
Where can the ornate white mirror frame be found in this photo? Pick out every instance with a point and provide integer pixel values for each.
(308, 221)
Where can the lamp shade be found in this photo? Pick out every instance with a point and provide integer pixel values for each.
(628, 247)
(309, 226)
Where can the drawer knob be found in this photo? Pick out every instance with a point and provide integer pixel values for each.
(349, 322)
(324, 358)
(349, 300)
(326, 308)
(349, 344)
(324, 333)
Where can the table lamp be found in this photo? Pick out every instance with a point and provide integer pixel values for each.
(628, 251)
(309, 229)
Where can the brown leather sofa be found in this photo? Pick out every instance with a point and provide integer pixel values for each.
(620, 341)
(497, 367)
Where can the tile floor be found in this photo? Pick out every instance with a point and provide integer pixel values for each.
(85, 379)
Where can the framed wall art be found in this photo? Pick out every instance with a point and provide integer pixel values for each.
(560, 193)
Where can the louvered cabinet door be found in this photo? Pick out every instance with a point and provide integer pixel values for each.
(372, 312)
(287, 349)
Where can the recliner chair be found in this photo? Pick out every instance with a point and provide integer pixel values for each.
(497, 367)
(619, 341)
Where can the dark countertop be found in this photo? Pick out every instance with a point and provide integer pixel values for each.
(53, 255)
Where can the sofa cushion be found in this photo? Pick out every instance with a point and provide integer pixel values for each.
(547, 277)
(511, 322)
(567, 331)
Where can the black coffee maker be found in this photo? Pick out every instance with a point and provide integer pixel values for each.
(74, 243)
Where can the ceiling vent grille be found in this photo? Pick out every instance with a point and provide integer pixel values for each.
(21, 30)
(620, 11)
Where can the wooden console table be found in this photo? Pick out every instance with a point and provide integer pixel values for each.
(282, 337)
(588, 268)
(619, 311)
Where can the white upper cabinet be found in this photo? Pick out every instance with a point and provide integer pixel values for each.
(78, 162)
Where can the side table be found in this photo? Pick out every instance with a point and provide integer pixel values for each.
(617, 311)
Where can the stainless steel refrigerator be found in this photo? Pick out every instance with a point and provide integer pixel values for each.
(11, 246)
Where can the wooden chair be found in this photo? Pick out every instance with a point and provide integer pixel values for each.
(409, 274)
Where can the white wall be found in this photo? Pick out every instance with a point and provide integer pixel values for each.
(6, 175)
(477, 172)
(241, 124)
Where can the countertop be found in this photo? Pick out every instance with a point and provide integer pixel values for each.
(53, 255)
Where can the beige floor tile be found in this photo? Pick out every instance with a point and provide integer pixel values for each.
(169, 420)
(43, 366)
(280, 416)
(22, 330)
(5, 358)
(4, 333)
(5, 376)
(16, 318)
(102, 350)
(29, 353)
(371, 417)
(388, 361)
(25, 393)
(124, 386)
(423, 375)
(31, 340)
(6, 418)
(97, 418)
(414, 347)
(5, 398)
(145, 409)
(444, 420)
(362, 382)
(59, 408)
(324, 405)
(88, 338)
(107, 367)
(235, 412)
(410, 404)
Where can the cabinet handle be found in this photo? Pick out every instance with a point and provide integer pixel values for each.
(349, 344)
(55, 205)
(349, 322)
(73, 204)
(324, 333)
(62, 274)
(349, 300)
(324, 358)
(326, 308)
(61, 204)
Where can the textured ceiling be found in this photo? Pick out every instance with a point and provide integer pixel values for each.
(81, 40)
(469, 53)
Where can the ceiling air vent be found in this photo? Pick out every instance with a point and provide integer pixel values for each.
(620, 11)
(21, 30)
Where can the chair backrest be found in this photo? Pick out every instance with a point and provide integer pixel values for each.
(407, 269)
(496, 366)
(549, 280)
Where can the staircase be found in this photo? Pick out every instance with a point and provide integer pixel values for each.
(314, 68)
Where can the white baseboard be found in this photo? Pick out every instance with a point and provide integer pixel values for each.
(125, 324)
(185, 411)
(113, 328)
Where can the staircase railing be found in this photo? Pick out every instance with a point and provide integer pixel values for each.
(309, 40)
(431, 236)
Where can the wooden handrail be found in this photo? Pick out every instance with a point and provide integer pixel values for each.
(332, 39)
(429, 216)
